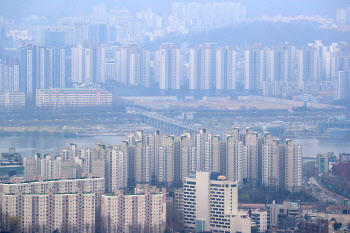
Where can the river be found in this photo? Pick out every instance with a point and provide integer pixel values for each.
(28, 145)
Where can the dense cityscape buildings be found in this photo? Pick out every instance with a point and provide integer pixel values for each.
(242, 158)
(245, 157)
(320, 71)
(108, 47)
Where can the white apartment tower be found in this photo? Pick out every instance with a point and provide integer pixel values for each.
(342, 86)
(234, 159)
(270, 161)
(291, 156)
(169, 67)
(255, 64)
(116, 167)
(211, 204)
(226, 69)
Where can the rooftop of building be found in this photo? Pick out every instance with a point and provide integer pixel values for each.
(71, 90)
(55, 180)
(251, 206)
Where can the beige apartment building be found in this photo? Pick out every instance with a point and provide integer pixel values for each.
(142, 211)
(66, 212)
(86, 185)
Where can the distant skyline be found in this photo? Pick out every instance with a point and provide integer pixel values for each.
(55, 9)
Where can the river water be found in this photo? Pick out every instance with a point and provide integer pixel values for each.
(28, 145)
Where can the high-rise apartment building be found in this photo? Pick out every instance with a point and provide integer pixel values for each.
(116, 167)
(29, 68)
(255, 65)
(211, 204)
(291, 155)
(342, 86)
(234, 158)
(169, 67)
(308, 70)
(83, 63)
(65, 212)
(203, 16)
(9, 75)
(226, 77)
(271, 161)
(141, 211)
(133, 65)
(212, 68)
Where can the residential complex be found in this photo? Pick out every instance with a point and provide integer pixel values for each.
(66, 212)
(142, 211)
(47, 73)
(244, 156)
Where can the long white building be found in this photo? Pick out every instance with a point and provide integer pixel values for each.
(73, 98)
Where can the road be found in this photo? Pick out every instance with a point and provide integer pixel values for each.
(324, 194)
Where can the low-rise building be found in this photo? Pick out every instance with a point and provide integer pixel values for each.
(58, 98)
(274, 211)
(336, 209)
(260, 219)
(314, 226)
(342, 169)
(12, 100)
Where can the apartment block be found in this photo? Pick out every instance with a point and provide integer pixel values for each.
(72, 98)
(65, 212)
(141, 211)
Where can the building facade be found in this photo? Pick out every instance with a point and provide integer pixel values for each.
(211, 204)
(141, 211)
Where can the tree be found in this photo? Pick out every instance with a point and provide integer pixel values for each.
(337, 226)
(56, 231)
(14, 224)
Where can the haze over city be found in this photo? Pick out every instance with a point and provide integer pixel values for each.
(174, 116)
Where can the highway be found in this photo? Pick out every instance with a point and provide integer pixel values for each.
(323, 194)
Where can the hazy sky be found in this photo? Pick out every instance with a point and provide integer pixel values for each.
(54, 9)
